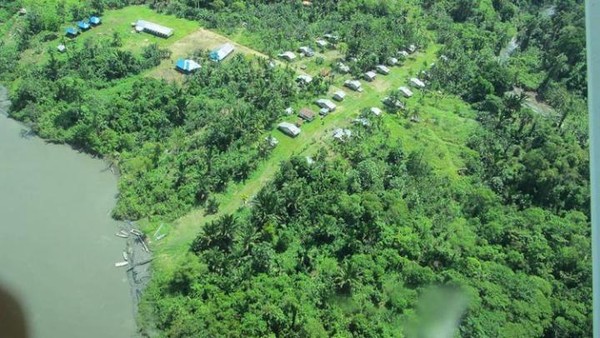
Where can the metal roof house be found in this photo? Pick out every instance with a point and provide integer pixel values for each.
(354, 85)
(324, 103)
(83, 25)
(392, 61)
(61, 48)
(417, 83)
(370, 75)
(153, 28)
(405, 91)
(412, 48)
(382, 69)
(303, 78)
(95, 20)
(71, 32)
(186, 66)
(322, 43)
(306, 51)
(289, 129)
(376, 111)
(222, 52)
(306, 114)
(340, 95)
(289, 56)
(342, 134)
(343, 68)
(403, 53)
(388, 101)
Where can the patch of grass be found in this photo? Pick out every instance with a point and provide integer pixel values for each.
(118, 21)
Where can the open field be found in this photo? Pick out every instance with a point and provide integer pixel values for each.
(201, 39)
(444, 126)
(117, 21)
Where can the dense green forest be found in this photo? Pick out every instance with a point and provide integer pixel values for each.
(359, 240)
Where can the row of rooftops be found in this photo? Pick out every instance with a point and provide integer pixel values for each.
(83, 25)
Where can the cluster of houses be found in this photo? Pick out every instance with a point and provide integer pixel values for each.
(327, 106)
(188, 66)
(307, 51)
(82, 26)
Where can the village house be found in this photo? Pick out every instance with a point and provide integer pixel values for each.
(186, 66)
(220, 53)
(354, 85)
(340, 95)
(342, 134)
(306, 51)
(288, 56)
(324, 103)
(405, 91)
(153, 28)
(306, 114)
(370, 75)
(95, 20)
(376, 111)
(304, 79)
(396, 104)
(417, 83)
(71, 32)
(322, 43)
(381, 69)
(289, 129)
(343, 68)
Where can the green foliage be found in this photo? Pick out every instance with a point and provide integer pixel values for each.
(339, 248)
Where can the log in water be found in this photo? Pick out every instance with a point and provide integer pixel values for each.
(57, 241)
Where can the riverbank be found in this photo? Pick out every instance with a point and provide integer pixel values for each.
(58, 247)
(139, 258)
(4, 102)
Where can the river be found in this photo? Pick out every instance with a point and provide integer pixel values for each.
(57, 240)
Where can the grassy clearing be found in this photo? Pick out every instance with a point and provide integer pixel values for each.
(118, 21)
(444, 127)
(201, 39)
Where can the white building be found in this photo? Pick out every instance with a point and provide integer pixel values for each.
(322, 43)
(340, 95)
(222, 52)
(417, 83)
(324, 103)
(342, 134)
(392, 61)
(382, 69)
(153, 28)
(343, 68)
(405, 91)
(306, 51)
(289, 129)
(354, 85)
(289, 56)
(376, 111)
(403, 53)
(304, 78)
(370, 76)
(412, 48)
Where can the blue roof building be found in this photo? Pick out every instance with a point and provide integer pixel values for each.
(71, 31)
(83, 25)
(94, 20)
(186, 66)
(221, 52)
